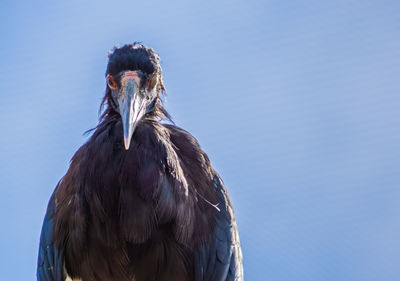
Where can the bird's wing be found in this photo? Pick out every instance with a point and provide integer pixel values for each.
(50, 262)
(221, 258)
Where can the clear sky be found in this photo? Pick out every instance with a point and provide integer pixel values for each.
(296, 103)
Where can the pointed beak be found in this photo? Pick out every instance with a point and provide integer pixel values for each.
(132, 106)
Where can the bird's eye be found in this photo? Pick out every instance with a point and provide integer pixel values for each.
(111, 82)
(152, 82)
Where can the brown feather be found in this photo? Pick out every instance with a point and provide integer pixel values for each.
(120, 212)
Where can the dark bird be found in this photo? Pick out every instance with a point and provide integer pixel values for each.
(140, 200)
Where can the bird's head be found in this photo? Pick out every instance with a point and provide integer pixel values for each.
(134, 87)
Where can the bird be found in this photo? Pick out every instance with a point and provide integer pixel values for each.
(140, 200)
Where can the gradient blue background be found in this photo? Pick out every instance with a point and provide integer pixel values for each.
(296, 102)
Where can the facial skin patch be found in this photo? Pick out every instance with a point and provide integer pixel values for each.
(128, 76)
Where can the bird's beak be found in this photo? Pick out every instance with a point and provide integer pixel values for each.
(132, 106)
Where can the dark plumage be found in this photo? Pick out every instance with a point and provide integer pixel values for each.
(154, 210)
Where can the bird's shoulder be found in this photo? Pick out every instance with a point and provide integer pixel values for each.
(188, 146)
(177, 133)
(220, 257)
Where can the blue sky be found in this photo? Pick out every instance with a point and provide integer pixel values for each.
(296, 103)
